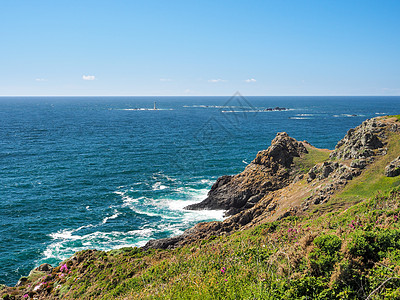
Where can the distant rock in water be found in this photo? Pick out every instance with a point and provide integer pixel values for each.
(269, 171)
(276, 109)
(393, 168)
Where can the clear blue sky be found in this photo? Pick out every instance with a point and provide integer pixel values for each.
(199, 47)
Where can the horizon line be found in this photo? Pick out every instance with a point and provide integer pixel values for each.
(32, 96)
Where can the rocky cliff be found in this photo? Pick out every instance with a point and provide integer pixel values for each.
(269, 171)
(274, 185)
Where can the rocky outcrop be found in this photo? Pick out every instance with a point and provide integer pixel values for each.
(393, 168)
(360, 142)
(352, 154)
(269, 171)
(271, 188)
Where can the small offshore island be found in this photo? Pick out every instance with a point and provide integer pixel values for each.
(303, 223)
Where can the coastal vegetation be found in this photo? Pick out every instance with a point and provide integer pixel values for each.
(338, 255)
(343, 243)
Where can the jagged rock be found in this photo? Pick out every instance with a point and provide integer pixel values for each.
(165, 243)
(322, 170)
(339, 174)
(358, 163)
(360, 142)
(269, 171)
(393, 168)
(45, 268)
(258, 193)
(21, 281)
(395, 128)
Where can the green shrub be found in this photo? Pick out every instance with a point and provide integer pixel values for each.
(361, 244)
(324, 257)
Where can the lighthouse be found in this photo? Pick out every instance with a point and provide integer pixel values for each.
(155, 108)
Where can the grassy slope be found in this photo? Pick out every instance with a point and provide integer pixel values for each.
(309, 160)
(340, 255)
(373, 179)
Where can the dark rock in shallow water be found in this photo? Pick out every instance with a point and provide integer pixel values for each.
(276, 109)
(393, 169)
(269, 171)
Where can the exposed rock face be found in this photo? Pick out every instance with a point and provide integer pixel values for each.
(45, 268)
(269, 171)
(269, 188)
(393, 169)
(360, 142)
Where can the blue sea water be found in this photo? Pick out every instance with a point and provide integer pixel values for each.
(103, 173)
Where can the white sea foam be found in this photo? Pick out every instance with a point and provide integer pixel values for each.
(173, 218)
(158, 186)
(147, 213)
(198, 215)
(129, 200)
(114, 216)
(64, 235)
(65, 245)
(208, 181)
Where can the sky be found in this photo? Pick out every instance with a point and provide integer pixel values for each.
(146, 48)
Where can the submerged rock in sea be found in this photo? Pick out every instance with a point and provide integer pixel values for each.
(269, 171)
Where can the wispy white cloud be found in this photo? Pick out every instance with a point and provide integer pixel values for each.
(40, 79)
(250, 80)
(88, 77)
(165, 79)
(217, 80)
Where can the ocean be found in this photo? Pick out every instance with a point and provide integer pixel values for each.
(110, 172)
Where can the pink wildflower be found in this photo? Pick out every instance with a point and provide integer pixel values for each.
(25, 296)
(64, 268)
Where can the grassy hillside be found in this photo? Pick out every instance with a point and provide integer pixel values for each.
(340, 255)
(309, 160)
(373, 179)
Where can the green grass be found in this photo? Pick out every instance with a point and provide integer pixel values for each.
(309, 160)
(395, 116)
(373, 179)
(305, 257)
